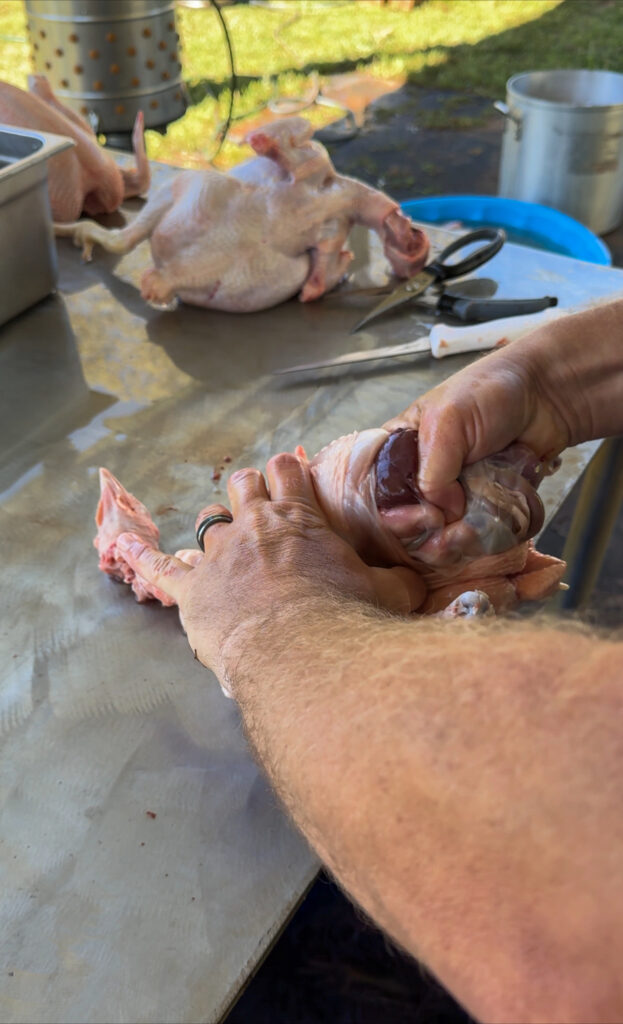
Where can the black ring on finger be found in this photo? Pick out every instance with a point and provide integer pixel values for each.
(205, 524)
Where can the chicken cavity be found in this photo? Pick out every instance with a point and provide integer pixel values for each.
(271, 228)
(84, 178)
(366, 484)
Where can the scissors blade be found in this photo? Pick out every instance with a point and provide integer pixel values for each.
(403, 293)
(406, 349)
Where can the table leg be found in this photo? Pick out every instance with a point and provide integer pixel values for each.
(601, 496)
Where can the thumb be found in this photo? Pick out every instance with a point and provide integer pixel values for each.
(441, 450)
(162, 571)
(399, 589)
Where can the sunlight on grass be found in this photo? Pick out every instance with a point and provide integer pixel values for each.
(467, 46)
(278, 48)
(14, 47)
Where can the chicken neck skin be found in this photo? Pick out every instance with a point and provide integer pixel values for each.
(246, 241)
(457, 797)
(85, 177)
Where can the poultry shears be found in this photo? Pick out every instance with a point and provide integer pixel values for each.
(439, 270)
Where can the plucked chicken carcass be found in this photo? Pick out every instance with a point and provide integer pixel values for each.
(272, 228)
(84, 178)
(366, 485)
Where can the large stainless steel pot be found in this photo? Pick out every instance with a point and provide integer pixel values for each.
(108, 59)
(563, 144)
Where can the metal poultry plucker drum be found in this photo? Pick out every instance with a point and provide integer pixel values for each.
(108, 59)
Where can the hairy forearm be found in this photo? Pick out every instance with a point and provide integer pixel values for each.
(578, 362)
(455, 778)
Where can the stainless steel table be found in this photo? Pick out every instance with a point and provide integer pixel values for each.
(146, 865)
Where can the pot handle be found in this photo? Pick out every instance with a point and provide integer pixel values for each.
(504, 109)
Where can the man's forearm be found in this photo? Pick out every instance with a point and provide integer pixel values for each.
(579, 363)
(463, 783)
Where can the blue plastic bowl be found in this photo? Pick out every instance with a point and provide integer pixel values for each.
(526, 223)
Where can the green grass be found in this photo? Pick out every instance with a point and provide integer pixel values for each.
(466, 46)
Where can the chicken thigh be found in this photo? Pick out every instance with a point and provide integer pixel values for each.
(274, 227)
(84, 178)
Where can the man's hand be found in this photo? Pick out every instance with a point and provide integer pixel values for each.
(477, 412)
(558, 386)
(279, 549)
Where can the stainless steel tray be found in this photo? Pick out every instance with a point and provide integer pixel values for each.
(28, 267)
